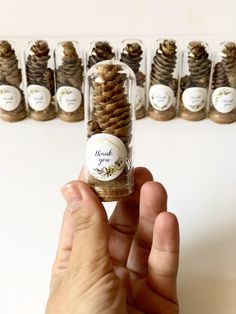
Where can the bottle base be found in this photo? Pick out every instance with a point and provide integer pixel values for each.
(166, 115)
(192, 116)
(13, 117)
(222, 118)
(71, 116)
(109, 195)
(140, 113)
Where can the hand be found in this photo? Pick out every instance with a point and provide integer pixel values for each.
(126, 265)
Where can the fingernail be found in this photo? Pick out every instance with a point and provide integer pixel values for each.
(72, 195)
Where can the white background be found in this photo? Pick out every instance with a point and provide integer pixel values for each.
(195, 161)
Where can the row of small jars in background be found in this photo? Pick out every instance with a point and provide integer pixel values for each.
(192, 83)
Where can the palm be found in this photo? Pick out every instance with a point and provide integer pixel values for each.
(144, 249)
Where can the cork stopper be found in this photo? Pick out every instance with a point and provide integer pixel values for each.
(10, 75)
(100, 52)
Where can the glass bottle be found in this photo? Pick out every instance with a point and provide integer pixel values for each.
(69, 81)
(12, 101)
(164, 80)
(223, 85)
(194, 84)
(99, 51)
(133, 54)
(109, 115)
(40, 81)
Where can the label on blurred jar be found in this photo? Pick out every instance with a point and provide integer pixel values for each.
(105, 156)
(194, 98)
(161, 97)
(69, 98)
(39, 97)
(10, 97)
(139, 97)
(224, 99)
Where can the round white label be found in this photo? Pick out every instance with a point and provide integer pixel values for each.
(224, 99)
(105, 156)
(194, 98)
(161, 97)
(69, 98)
(39, 97)
(139, 97)
(10, 97)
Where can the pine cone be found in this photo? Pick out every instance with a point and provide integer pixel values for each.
(101, 52)
(199, 64)
(10, 74)
(111, 109)
(70, 73)
(132, 56)
(37, 70)
(229, 62)
(186, 82)
(219, 78)
(164, 63)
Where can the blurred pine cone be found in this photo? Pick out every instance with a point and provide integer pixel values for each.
(10, 74)
(37, 70)
(164, 63)
(132, 56)
(112, 112)
(219, 78)
(229, 62)
(199, 64)
(101, 51)
(70, 73)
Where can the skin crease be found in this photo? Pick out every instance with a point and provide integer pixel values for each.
(128, 264)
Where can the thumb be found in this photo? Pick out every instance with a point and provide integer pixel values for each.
(90, 226)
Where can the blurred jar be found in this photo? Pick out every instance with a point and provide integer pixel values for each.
(12, 101)
(99, 51)
(40, 81)
(163, 89)
(223, 85)
(195, 78)
(133, 54)
(69, 81)
(109, 115)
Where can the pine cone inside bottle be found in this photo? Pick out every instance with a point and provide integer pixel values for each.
(219, 78)
(229, 62)
(10, 74)
(199, 64)
(112, 112)
(70, 72)
(132, 56)
(37, 69)
(164, 63)
(101, 51)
